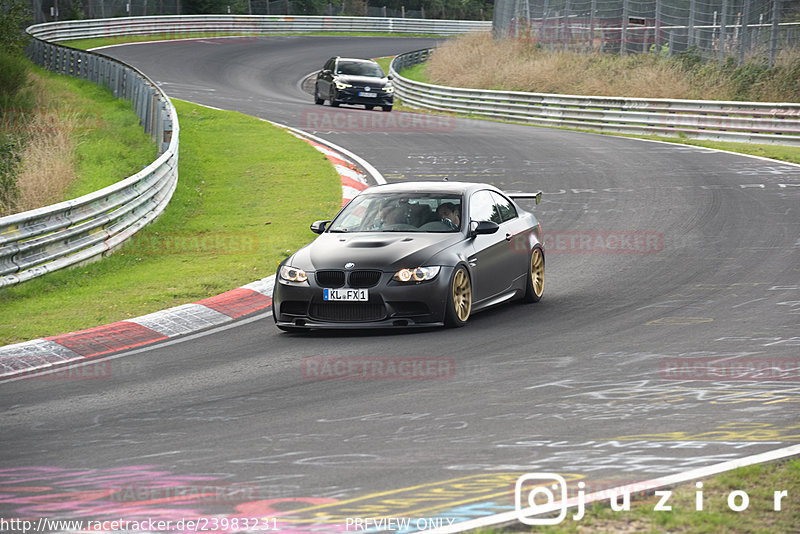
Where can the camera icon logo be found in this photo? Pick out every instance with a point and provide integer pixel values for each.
(547, 485)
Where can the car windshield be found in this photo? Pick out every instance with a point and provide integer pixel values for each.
(400, 212)
(359, 68)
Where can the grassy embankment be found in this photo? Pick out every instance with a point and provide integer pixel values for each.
(75, 138)
(478, 61)
(246, 194)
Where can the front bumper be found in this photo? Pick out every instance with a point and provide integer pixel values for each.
(391, 305)
(351, 96)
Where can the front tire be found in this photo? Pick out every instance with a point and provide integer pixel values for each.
(317, 100)
(332, 98)
(459, 300)
(386, 108)
(534, 288)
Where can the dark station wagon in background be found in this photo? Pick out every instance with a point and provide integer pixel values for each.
(412, 254)
(353, 81)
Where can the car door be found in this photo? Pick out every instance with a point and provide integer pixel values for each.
(516, 233)
(324, 78)
(492, 256)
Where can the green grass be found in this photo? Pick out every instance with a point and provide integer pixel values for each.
(86, 44)
(111, 145)
(384, 62)
(418, 73)
(247, 192)
(758, 481)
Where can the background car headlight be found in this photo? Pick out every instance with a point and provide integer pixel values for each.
(388, 88)
(420, 274)
(342, 85)
(292, 274)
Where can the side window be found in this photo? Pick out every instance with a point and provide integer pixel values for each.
(483, 208)
(506, 207)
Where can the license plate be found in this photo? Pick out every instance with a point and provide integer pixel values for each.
(369, 95)
(345, 294)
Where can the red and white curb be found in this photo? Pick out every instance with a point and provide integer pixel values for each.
(41, 354)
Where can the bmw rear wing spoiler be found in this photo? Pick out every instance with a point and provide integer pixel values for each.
(518, 195)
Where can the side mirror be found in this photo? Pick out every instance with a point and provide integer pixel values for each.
(388, 76)
(319, 226)
(483, 228)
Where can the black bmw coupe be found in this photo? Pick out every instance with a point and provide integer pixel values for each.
(412, 254)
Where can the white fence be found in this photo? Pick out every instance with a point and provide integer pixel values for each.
(752, 122)
(249, 24)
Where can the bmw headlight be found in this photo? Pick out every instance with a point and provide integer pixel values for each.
(292, 274)
(342, 85)
(419, 274)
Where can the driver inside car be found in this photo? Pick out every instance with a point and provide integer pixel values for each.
(449, 214)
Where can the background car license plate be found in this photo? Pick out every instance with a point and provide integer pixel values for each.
(371, 95)
(345, 294)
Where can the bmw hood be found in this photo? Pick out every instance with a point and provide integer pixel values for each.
(386, 251)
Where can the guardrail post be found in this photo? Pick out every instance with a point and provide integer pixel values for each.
(773, 36)
(623, 43)
(166, 129)
(722, 31)
(161, 115)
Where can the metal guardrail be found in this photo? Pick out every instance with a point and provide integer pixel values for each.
(249, 24)
(751, 122)
(43, 240)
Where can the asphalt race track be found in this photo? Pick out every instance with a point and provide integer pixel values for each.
(670, 270)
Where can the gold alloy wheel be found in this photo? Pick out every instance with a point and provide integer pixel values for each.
(537, 272)
(462, 295)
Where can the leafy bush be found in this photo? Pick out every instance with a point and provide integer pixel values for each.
(689, 59)
(15, 16)
(785, 81)
(745, 80)
(13, 77)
